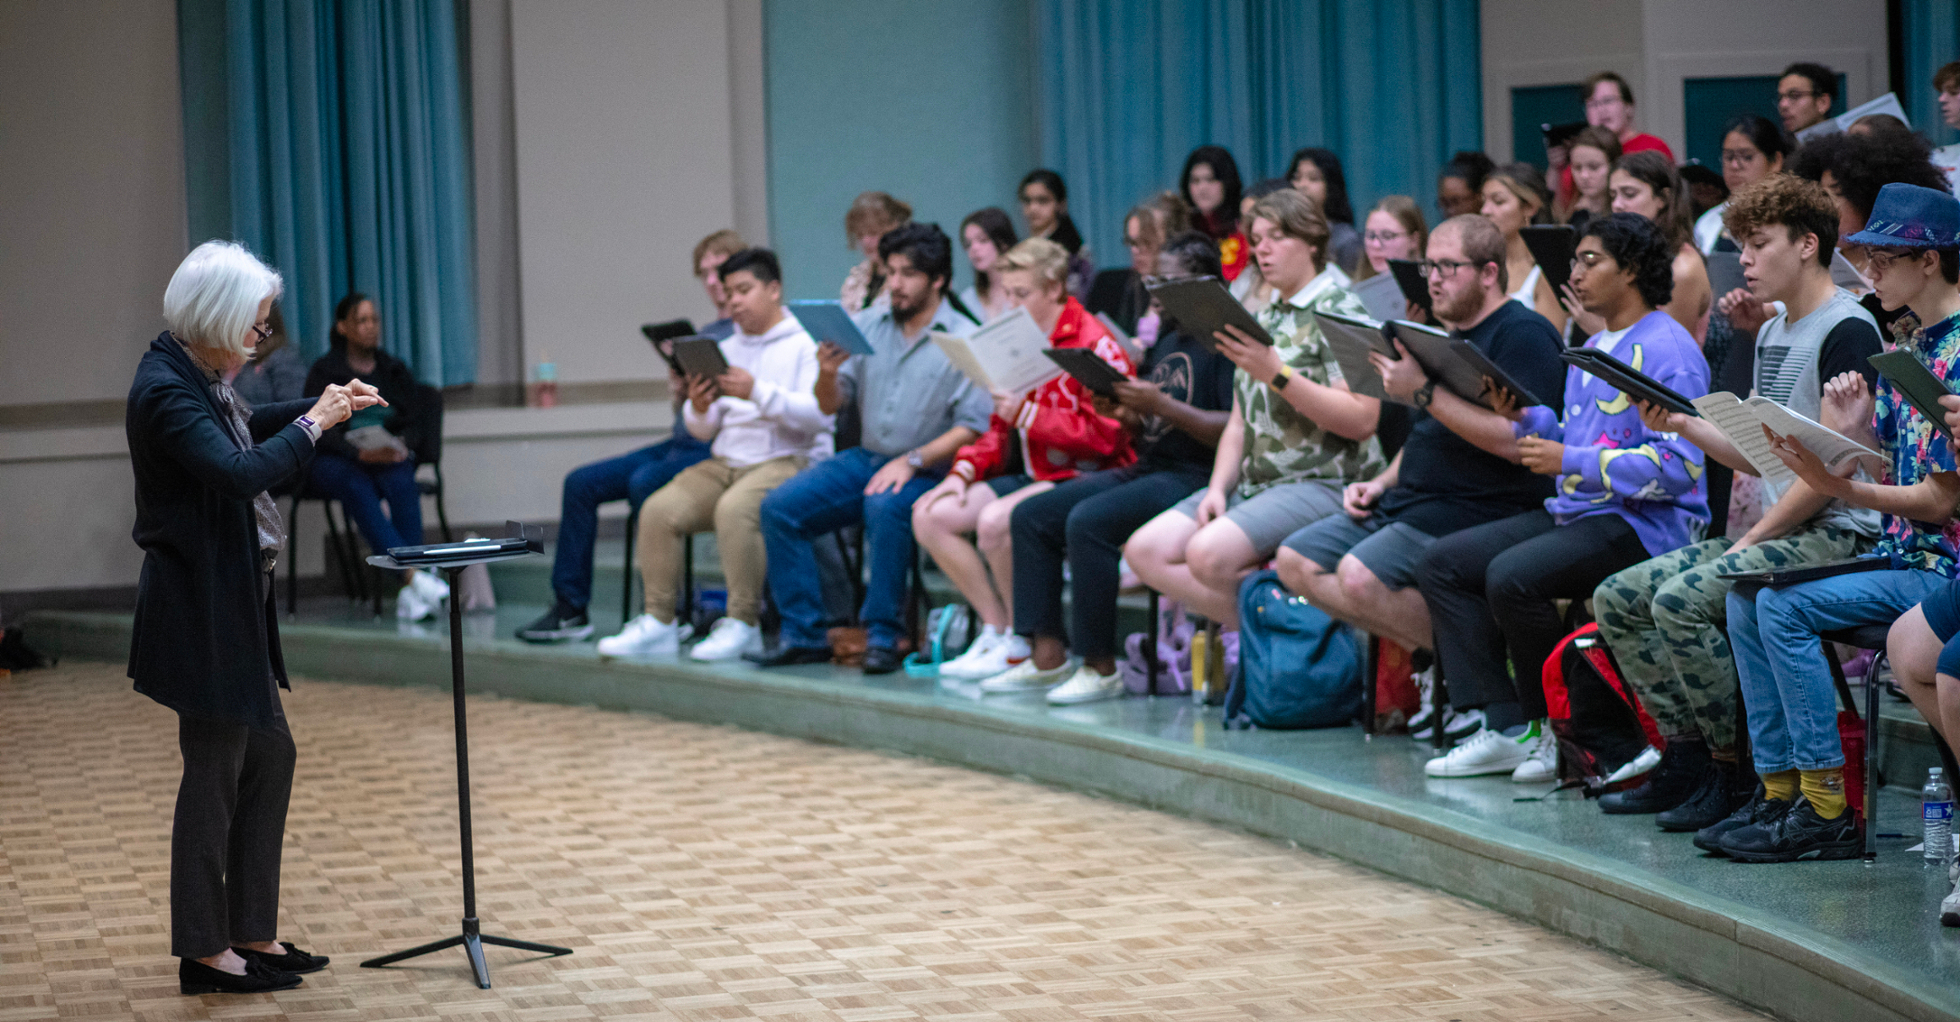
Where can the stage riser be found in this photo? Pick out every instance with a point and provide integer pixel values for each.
(1719, 944)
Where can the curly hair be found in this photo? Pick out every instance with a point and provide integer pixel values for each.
(925, 246)
(1194, 252)
(1862, 164)
(1640, 245)
(1802, 207)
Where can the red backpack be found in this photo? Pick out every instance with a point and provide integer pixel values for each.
(1597, 719)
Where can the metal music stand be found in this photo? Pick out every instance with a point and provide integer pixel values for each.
(452, 558)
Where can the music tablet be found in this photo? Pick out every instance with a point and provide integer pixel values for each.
(1628, 380)
(700, 356)
(1202, 307)
(1551, 247)
(1920, 387)
(1088, 368)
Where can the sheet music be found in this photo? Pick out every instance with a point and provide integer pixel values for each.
(1830, 446)
(1382, 297)
(1739, 423)
(1005, 355)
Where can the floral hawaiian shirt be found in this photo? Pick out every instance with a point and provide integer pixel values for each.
(1918, 449)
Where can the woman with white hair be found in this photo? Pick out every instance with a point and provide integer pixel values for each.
(206, 640)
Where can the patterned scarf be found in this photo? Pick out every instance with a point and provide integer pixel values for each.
(272, 528)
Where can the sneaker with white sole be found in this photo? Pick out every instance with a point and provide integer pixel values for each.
(645, 635)
(1484, 753)
(1026, 677)
(410, 605)
(1002, 653)
(1456, 725)
(1950, 908)
(727, 640)
(1086, 686)
(431, 589)
(1540, 756)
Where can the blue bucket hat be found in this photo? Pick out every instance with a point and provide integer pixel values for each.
(1909, 216)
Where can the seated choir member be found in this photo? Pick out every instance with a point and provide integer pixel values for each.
(1316, 173)
(1609, 105)
(1514, 198)
(1648, 185)
(1297, 435)
(1666, 619)
(917, 410)
(1251, 288)
(1460, 184)
(630, 477)
(1211, 187)
(1047, 435)
(1853, 168)
(1623, 493)
(1804, 95)
(1173, 414)
(361, 479)
(1946, 85)
(1457, 468)
(1145, 229)
(871, 216)
(1913, 243)
(1044, 205)
(763, 424)
(1590, 154)
(1753, 148)
(986, 235)
(1394, 229)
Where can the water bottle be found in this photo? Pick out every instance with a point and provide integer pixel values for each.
(1937, 811)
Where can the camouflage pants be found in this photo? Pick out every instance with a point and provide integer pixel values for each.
(1666, 622)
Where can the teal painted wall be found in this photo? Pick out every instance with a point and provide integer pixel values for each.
(930, 101)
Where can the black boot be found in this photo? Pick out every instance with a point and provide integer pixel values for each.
(1710, 804)
(1684, 766)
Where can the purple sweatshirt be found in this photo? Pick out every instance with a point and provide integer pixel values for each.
(1613, 463)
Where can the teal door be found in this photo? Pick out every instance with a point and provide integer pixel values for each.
(1710, 102)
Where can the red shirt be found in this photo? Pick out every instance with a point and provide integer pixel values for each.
(1058, 429)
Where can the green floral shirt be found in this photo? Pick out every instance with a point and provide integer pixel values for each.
(1281, 445)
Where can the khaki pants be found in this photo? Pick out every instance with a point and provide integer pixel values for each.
(714, 495)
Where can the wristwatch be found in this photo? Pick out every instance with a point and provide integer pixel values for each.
(1282, 378)
(312, 428)
(916, 459)
(1425, 394)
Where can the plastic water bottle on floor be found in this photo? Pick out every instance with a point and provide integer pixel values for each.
(1937, 811)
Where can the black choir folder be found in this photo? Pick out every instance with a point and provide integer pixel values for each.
(485, 548)
(700, 356)
(1628, 380)
(1920, 386)
(1088, 368)
(1551, 246)
(1777, 578)
(1415, 286)
(1454, 364)
(1202, 307)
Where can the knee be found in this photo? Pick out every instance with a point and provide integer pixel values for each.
(1678, 604)
(885, 511)
(735, 518)
(1296, 571)
(1212, 561)
(1358, 583)
(994, 532)
(776, 513)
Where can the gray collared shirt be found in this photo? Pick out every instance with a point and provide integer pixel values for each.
(907, 392)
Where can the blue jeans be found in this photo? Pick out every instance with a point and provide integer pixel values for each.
(1786, 682)
(629, 477)
(823, 498)
(361, 487)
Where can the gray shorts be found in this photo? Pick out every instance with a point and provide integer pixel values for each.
(1274, 513)
(1390, 550)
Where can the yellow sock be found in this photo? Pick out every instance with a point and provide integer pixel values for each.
(1781, 785)
(1824, 789)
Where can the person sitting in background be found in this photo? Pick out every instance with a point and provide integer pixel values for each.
(1623, 494)
(762, 420)
(630, 477)
(1515, 197)
(362, 477)
(1800, 811)
(1753, 148)
(1454, 471)
(1590, 156)
(1296, 436)
(1706, 189)
(1872, 124)
(275, 374)
(917, 411)
(1251, 288)
(985, 234)
(1316, 173)
(1852, 169)
(1035, 440)
(1044, 205)
(1174, 413)
(1804, 95)
(1211, 186)
(1946, 83)
(1647, 185)
(1394, 229)
(871, 215)
(1609, 105)
(1460, 184)
(1665, 619)
(1145, 228)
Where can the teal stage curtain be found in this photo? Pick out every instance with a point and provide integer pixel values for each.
(342, 124)
(1932, 41)
(1126, 90)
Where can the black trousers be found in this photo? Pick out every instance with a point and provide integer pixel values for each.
(1490, 590)
(226, 840)
(1087, 520)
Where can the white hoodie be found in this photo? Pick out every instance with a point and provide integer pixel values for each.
(780, 416)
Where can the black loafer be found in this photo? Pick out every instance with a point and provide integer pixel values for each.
(880, 660)
(195, 977)
(294, 960)
(790, 656)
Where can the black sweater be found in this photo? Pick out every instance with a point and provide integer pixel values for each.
(391, 376)
(205, 640)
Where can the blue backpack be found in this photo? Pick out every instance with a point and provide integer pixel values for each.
(1298, 668)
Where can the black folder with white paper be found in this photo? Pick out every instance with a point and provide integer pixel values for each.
(1454, 364)
(1203, 307)
(1088, 368)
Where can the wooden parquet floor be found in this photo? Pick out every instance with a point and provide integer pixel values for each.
(705, 873)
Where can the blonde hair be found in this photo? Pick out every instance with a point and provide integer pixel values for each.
(725, 242)
(1039, 256)
(1298, 216)
(874, 213)
(1159, 217)
(213, 298)
(1409, 215)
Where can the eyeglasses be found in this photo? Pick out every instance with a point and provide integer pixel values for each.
(264, 332)
(1588, 259)
(1740, 156)
(1881, 260)
(1440, 267)
(1383, 237)
(1795, 95)
(1595, 104)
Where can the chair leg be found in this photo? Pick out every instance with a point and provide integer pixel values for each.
(1151, 665)
(1439, 710)
(1871, 749)
(292, 559)
(343, 556)
(1370, 647)
(918, 605)
(1843, 686)
(442, 512)
(626, 587)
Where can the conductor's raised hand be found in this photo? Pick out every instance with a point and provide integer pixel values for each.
(1259, 361)
(701, 392)
(1747, 313)
(830, 357)
(337, 402)
(736, 382)
(1401, 377)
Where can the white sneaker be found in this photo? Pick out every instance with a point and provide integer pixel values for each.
(1950, 908)
(982, 645)
(1648, 759)
(1540, 756)
(1004, 652)
(1026, 677)
(431, 589)
(1486, 752)
(643, 636)
(411, 606)
(727, 640)
(1086, 686)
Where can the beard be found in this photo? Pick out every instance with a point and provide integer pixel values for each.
(906, 310)
(1462, 306)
